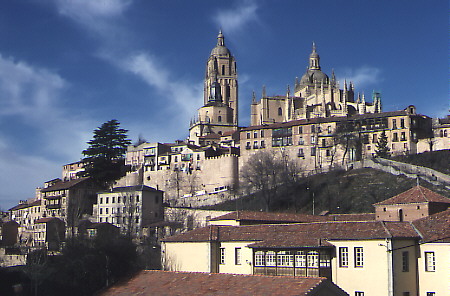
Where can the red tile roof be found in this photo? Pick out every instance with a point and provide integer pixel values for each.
(64, 185)
(353, 217)
(271, 217)
(154, 282)
(435, 227)
(48, 219)
(417, 194)
(27, 205)
(299, 235)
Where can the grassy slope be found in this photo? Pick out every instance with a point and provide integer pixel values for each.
(339, 192)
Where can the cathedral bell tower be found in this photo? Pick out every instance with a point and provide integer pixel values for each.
(219, 113)
(221, 68)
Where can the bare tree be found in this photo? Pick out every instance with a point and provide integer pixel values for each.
(267, 172)
(349, 137)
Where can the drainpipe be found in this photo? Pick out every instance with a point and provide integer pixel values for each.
(390, 259)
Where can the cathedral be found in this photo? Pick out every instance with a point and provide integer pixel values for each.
(316, 95)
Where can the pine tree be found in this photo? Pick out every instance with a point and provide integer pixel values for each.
(382, 146)
(104, 158)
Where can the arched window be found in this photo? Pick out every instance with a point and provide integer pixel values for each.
(223, 69)
(219, 118)
(280, 112)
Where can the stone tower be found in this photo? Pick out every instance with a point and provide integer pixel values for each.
(221, 67)
(219, 113)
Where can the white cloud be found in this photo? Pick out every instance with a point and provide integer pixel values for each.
(232, 20)
(362, 77)
(182, 98)
(33, 98)
(87, 10)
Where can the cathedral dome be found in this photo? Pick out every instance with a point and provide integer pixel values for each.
(220, 51)
(312, 76)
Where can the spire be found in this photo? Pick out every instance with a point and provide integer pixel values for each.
(220, 39)
(264, 91)
(314, 59)
(288, 91)
(253, 98)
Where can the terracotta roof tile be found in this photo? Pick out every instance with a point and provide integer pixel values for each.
(64, 185)
(417, 194)
(303, 234)
(353, 217)
(153, 282)
(435, 227)
(27, 205)
(271, 217)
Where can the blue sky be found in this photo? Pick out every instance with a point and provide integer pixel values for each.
(67, 66)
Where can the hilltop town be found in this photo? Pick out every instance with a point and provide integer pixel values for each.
(319, 125)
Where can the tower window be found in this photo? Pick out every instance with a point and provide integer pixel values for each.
(219, 118)
(280, 111)
(223, 69)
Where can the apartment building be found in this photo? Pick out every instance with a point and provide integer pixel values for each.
(130, 208)
(322, 143)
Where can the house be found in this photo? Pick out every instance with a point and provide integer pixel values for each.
(413, 204)
(130, 208)
(434, 254)
(49, 233)
(399, 257)
(153, 282)
(99, 230)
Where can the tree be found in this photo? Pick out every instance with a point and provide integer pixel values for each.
(382, 148)
(104, 158)
(266, 173)
(349, 138)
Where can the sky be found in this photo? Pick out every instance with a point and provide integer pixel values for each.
(67, 66)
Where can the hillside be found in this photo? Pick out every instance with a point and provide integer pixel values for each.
(437, 160)
(351, 191)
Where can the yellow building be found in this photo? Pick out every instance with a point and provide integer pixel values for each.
(373, 257)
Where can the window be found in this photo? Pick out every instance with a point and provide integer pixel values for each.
(248, 135)
(402, 123)
(113, 199)
(263, 145)
(248, 146)
(403, 136)
(280, 112)
(118, 199)
(359, 257)
(431, 293)
(219, 118)
(313, 128)
(313, 151)
(313, 259)
(301, 141)
(313, 140)
(259, 258)
(255, 145)
(237, 256)
(430, 262)
(101, 211)
(262, 133)
(359, 293)
(255, 134)
(343, 256)
(107, 200)
(137, 198)
(285, 259)
(300, 259)
(300, 129)
(405, 293)
(405, 261)
(101, 200)
(394, 123)
(222, 256)
(270, 258)
(395, 137)
(106, 210)
(301, 152)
